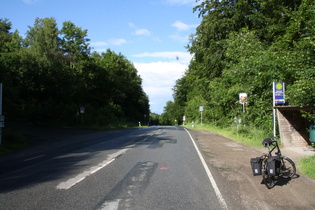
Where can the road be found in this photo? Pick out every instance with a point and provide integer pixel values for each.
(152, 168)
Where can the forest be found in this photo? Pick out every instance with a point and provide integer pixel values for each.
(52, 77)
(242, 46)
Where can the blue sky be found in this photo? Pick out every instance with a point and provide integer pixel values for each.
(152, 34)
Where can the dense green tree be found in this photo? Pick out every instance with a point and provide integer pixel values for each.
(243, 46)
(53, 73)
(74, 42)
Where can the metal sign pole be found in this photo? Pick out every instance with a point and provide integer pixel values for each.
(274, 110)
(201, 117)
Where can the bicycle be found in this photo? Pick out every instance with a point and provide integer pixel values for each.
(272, 167)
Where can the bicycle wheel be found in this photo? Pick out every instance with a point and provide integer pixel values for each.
(287, 168)
(269, 181)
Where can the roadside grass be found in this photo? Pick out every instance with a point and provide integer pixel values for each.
(249, 136)
(253, 137)
(307, 166)
(12, 141)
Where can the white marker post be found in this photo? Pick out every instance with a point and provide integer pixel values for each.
(201, 110)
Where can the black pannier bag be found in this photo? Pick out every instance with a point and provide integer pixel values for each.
(256, 165)
(273, 166)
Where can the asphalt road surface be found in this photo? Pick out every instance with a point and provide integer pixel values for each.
(152, 168)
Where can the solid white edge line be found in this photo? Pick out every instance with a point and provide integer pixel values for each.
(214, 184)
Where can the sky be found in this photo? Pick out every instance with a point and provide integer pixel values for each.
(152, 34)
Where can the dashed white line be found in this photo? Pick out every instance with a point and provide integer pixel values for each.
(34, 158)
(73, 181)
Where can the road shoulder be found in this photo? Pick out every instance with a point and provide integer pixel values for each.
(230, 164)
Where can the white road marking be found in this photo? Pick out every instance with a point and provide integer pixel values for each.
(113, 205)
(214, 184)
(73, 181)
(34, 158)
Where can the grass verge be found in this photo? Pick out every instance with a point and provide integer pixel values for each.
(12, 141)
(307, 166)
(249, 136)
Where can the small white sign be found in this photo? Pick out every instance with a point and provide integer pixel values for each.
(243, 98)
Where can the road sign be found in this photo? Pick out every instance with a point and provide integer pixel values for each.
(278, 93)
(82, 110)
(243, 98)
(201, 108)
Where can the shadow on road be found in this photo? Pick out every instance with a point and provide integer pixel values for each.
(70, 156)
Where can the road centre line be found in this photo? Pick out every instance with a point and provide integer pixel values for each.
(73, 181)
(34, 158)
(214, 184)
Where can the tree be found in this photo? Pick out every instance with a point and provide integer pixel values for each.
(42, 38)
(74, 42)
(243, 46)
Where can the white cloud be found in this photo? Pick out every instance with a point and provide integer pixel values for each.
(139, 31)
(182, 57)
(99, 44)
(158, 80)
(117, 42)
(180, 26)
(144, 32)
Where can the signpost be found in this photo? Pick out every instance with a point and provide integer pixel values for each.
(278, 93)
(201, 110)
(243, 99)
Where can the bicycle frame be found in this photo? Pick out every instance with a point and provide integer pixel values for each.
(275, 145)
(285, 169)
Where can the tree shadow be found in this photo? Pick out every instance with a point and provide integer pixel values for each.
(67, 161)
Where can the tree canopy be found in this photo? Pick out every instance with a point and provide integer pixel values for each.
(51, 73)
(244, 46)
